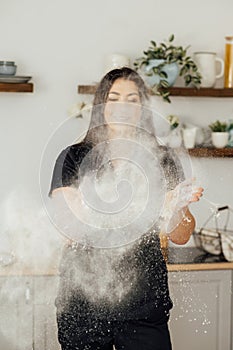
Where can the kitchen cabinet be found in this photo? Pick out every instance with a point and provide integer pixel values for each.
(16, 313)
(200, 319)
(202, 312)
(27, 313)
(45, 327)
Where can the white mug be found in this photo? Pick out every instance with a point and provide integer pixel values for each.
(189, 137)
(206, 63)
(116, 60)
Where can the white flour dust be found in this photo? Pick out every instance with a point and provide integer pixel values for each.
(27, 233)
(102, 274)
(115, 204)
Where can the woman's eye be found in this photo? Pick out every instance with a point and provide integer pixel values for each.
(133, 100)
(112, 99)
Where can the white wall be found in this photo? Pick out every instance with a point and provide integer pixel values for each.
(63, 43)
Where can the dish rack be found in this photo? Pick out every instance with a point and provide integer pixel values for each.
(216, 241)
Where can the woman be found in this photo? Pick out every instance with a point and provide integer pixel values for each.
(117, 296)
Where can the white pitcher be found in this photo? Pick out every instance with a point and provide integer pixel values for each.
(206, 63)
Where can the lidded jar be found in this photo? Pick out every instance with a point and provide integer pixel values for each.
(228, 74)
(7, 67)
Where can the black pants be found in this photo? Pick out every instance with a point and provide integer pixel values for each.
(143, 334)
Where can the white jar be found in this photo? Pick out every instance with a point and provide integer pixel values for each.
(115, 61)
(7, 68)
(220, 139)
(189, 137)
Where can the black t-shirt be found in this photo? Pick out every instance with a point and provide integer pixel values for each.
(67, 165)
(119, 283)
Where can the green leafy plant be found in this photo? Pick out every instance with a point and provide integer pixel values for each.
(169, 53)
(218, 126)
(230, 125)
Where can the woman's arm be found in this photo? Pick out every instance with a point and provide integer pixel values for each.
(182, 233)
(67, 191)
(181, 223)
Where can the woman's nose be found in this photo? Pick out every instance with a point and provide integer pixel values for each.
(123, 99)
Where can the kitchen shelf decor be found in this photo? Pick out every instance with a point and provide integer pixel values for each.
(10, 82)
(162, 63)
(207, 152)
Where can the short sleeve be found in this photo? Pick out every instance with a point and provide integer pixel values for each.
(66, 167)
(172, 168)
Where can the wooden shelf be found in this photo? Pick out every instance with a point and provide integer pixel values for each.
(174, 91)
(87, 89)
(16, 87)
(202, 92)
(211, 152)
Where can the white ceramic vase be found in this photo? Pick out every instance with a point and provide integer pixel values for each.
(189, 137)
(219, 139)
(174, 138)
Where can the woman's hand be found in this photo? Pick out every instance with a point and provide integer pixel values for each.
(197, 193)
(183, 194)
(177, 221)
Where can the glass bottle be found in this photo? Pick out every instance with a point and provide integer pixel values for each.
(228, 74)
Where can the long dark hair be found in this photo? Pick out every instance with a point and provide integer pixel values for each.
(97, 131)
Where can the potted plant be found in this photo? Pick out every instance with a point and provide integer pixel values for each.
(173, 121)
(220, 134)
(174, 138)
(79, 109)
(230, 130)
(163, 63)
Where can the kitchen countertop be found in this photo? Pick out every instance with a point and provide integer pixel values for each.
(178, 259)
(195, 259)
(200, 267)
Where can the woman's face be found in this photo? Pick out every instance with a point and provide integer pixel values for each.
(123, 106)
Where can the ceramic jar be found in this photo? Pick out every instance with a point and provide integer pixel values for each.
(7, 68)
(115, 60)
(174, 138)
(189, 137)
(220, 139)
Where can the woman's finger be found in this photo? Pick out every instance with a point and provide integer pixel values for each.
(197, 194)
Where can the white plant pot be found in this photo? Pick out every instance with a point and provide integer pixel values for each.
(172, 70)
(219, 139)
